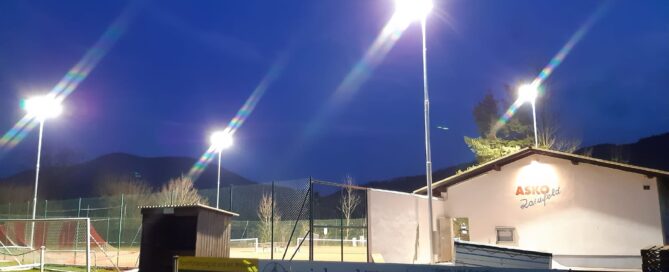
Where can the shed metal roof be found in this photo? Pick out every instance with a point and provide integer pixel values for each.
(189, 206)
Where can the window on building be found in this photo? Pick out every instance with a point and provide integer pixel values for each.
(505, 234)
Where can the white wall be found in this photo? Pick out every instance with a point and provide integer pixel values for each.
(398, 225)
(599, 211)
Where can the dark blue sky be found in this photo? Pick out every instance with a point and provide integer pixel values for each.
(183, 68)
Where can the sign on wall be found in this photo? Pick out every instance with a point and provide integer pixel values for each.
(537, 183)
(536, 195)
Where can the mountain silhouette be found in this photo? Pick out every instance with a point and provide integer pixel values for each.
(648, 152)
(81, 180)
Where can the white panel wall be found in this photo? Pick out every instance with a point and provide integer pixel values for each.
(599, 211)
(398, 225)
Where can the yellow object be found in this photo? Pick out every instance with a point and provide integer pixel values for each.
(377, 258)
(202, 264)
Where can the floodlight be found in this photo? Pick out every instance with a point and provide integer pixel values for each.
(412, 10)
(43, 107)
(527, 93)
(221, 140)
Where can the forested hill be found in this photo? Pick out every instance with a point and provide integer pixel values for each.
(651, 152)
(84, 179)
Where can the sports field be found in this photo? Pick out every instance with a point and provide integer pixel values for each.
(321, 253)
(55, 267)
(129, 256)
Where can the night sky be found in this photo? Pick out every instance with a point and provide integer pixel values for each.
(184, 68)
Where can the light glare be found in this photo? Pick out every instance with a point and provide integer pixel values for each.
(537, 173)
(221, 140)
(527, 93)
(43, 107)
(412, 10)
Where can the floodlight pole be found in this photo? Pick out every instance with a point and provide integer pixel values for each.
(428, 152)
(88, 245)
(534, 117)
(39, 153)
(218, 179)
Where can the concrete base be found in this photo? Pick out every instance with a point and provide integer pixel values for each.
(269, 265)
(593, 261)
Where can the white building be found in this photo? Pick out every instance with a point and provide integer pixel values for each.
(586, 212)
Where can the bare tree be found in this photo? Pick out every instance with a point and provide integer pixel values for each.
(111, 185)
(550, 133)
(550, 138)
(348, 202)
(265, 208)
(179, 191)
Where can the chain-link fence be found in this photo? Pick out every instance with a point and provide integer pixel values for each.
(303, 219)
(339, 222)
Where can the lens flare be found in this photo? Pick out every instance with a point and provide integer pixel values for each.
(359, 74)
(75, 75)
(239, 119)
(552, 65)
(354, 79)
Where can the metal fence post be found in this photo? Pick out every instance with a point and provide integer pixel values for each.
(76, 236)
(120, 228)
(311, 219)
(341, 233)
(79, 208)
(368, 228)
(107, 231)
(272, 226)
(46, 205)
(231, 197)
(88, 245)
(41, 258)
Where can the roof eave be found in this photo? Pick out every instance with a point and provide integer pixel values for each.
(497, 163)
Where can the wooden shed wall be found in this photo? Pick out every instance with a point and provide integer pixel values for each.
(213, 234)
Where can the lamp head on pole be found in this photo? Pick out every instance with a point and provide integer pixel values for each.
(43, 107)
(412, 10)
(221, 140)
(528, 93)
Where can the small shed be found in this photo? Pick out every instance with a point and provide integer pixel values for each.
(184, 230)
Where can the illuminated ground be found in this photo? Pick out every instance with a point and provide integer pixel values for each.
(321, 253)
(129, 256)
